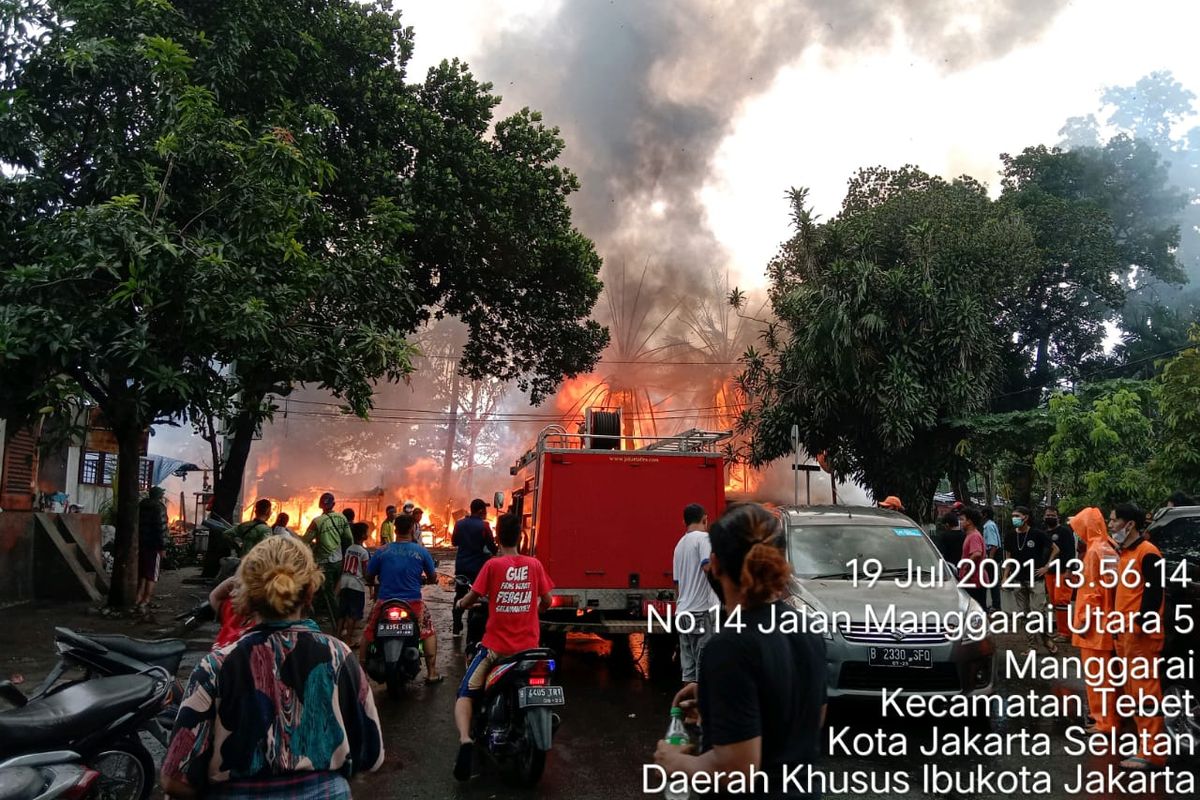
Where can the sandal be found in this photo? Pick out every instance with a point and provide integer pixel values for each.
(1138, 763)
(434, 680)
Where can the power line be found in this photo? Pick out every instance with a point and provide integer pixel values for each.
(521, 416)
(619, 362)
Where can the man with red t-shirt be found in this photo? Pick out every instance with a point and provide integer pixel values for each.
(512, 583)
(974, 550)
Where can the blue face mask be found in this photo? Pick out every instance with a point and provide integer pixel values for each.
(1017, 522)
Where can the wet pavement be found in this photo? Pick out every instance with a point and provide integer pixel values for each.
(615, 712)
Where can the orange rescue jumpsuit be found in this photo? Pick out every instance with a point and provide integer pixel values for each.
(1131, 601)
(1093, 602)
(1058, 589)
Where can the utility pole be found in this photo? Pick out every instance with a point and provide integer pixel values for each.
(796, 460)
(451, 436)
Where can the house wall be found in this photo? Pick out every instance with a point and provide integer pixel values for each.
(16, 557)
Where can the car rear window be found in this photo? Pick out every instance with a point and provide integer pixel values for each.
(825, 550)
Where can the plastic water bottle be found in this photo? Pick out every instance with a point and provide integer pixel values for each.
(676, 734)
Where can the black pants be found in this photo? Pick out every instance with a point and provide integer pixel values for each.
(979, 593)
(457, 614)
(995, 567)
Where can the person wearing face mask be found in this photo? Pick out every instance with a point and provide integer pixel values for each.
(1141, 605)
(1027, 548)
(1092, 606)
(1058, 569)
(761, 691)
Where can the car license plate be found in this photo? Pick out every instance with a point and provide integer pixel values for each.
(540, 696)
(900, 657)
(395, 629)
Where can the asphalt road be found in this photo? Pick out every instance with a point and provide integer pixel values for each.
(614, 714)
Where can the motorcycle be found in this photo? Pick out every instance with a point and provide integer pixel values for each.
(513, 722)
(394, 657)
(99, 720)
(47, 776)
(102, 655)
(476, 616)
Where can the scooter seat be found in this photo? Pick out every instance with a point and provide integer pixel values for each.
(526, 655)
(165, 653)
(59, 719)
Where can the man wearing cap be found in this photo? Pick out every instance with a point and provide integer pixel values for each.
(892, 503)
(328, 535)
(473, 538)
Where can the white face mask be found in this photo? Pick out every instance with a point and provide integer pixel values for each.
(1119, 536)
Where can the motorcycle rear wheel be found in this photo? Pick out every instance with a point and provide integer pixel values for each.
(1181, 724)
(530, 762)
(126, 771)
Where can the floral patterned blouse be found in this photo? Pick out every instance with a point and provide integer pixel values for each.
(283, 699)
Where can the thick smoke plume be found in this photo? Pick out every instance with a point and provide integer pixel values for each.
(646, 92)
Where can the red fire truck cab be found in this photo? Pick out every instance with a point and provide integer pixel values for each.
(603, 511)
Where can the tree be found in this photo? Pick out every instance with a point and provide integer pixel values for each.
(107, 283)
(1152, 111)
(1178, 394)
(322, 206)
(480, 225)
(1101, 450)
(1104, 222)
(886, 329)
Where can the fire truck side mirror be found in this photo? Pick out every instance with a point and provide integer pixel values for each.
(498, 501)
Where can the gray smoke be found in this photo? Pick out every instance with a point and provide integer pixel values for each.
(646, 91)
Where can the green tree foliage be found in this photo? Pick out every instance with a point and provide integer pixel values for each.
(205, 202)
(1177, 391)
(887, 329)
(1104, 222)
(107, 280)
(1101, 450)
(1155, 111)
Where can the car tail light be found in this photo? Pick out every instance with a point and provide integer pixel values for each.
(394, 614)
(82, 787)
(564, 601)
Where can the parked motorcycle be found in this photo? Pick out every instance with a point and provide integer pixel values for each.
(56, 775)
(100, 655)
(97, 719)
(513, 722)
(394, 657)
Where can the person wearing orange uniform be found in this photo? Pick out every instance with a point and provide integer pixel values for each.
(1142, 606)
(1092, 606)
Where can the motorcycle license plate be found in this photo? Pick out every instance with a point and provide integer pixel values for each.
(395, 628)
(540, 696)
(900, 657)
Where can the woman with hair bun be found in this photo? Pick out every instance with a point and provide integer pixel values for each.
(284, 711)
(761, 691)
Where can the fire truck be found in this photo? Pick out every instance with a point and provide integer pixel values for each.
(603, 511)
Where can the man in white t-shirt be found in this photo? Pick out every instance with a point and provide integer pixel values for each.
(695, 595)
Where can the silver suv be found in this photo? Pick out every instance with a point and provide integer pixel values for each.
(834, 551)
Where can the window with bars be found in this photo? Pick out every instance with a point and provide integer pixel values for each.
(98, 467)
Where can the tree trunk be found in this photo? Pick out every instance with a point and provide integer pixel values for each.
(123, 586)
(229, 485)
